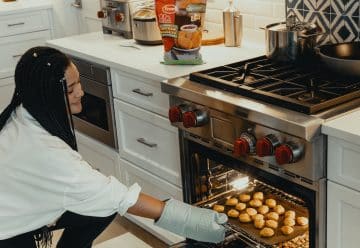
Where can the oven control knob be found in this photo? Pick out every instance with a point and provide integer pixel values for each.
(101, 14)
(287, 153)
(175, 114)
(245, 144)
(195, 118)
(119, 17)
(266, 146)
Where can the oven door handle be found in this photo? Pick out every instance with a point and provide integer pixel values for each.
(144, 142)
(138, 91)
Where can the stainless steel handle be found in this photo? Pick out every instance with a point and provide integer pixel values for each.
(16, 24)
(144, 142)
(138, 91)
(17, 55)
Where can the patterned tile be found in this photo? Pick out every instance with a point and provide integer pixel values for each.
(323, 6)
(345, 7)
(297, 12)
(344, 29)
(309, 5)
(322, 20)
(295, 4)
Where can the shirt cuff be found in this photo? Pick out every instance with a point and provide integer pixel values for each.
(130, 198)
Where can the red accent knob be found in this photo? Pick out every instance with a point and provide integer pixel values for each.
(189, 119)
(100, 14)
(175, 114)
(241, 147)
(263, 147)
(118, 17)
(283, 154)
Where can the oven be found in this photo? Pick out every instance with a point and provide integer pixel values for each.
(254, 126)
(97, 116)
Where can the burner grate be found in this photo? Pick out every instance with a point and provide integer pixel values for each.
(298, 88)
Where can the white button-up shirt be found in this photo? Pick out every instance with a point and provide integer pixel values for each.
(41, 177)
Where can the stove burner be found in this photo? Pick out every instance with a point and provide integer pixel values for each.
(294, 87)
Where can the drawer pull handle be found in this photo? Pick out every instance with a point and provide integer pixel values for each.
(17, 55)
(138, 91)
(143, 141)
(16, 24)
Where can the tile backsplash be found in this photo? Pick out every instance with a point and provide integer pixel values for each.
(339, 19)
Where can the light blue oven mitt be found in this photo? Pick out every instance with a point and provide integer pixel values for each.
(192, 222)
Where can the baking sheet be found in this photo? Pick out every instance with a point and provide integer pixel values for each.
(254, 232)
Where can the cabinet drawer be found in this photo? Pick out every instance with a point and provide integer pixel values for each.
(24, 23)
(149, 141)
(6, 91)
(12, 47)
(150, 184)
(343, 162)
(140, 91)
(343, 211)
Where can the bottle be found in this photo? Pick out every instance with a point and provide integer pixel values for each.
(232, 21)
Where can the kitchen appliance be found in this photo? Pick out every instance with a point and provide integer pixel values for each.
(233, 26)
(97, 118)
(116, 17)
(344, 58)
(291, 40)
(145, 28)
(254, 125)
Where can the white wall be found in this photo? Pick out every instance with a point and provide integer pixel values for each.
(256, 13)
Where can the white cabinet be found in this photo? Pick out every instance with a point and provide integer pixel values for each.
(98, 155)
(18, 33)
(343, 216)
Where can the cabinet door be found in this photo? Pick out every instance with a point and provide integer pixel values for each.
(6, 91)
(148, 141)
(343, 217)
(99, 156)
(13, 47)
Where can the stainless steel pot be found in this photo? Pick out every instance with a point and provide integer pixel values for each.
(292, 42)
(342, 58)
(145, 27)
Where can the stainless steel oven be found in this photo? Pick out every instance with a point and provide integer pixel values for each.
(97, 116)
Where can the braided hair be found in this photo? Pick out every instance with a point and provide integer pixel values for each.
(41, 88)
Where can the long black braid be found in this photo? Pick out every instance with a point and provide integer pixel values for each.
(40, 86)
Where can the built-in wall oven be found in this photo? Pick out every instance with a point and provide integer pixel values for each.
(97, 116)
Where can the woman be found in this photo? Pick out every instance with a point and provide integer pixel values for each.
(46, 185)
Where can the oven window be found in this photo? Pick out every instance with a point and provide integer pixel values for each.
(94, 111)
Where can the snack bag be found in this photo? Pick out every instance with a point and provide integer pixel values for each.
(181, 24)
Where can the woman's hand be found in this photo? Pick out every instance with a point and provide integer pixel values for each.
(192, 222)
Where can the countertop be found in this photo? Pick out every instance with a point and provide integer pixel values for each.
(20, 6)
(145, 61)
(346, 127)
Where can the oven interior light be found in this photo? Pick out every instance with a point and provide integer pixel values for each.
(240, 183)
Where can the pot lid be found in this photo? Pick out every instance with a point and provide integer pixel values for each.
(144, 13)
(301, 27)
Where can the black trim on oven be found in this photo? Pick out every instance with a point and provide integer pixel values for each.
(189, 147)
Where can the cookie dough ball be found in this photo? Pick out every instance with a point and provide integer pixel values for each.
(233, 213)
(271, 203)
(231, 202)
(290, 214)
(302, 221)
(258, 196)
(287, 230)
(289, 221)
(259, 223)
(267, 232)
(263, 209)
(257, 217)
(219, 208)
(244, 197)
(279, 209)
(251, 211)
(272, 216)
(271, 223)
(245, 218)
(240, 206)
(255, 203)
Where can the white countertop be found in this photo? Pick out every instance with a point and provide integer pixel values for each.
(20, 6)
(346, 127)
(145, 61)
